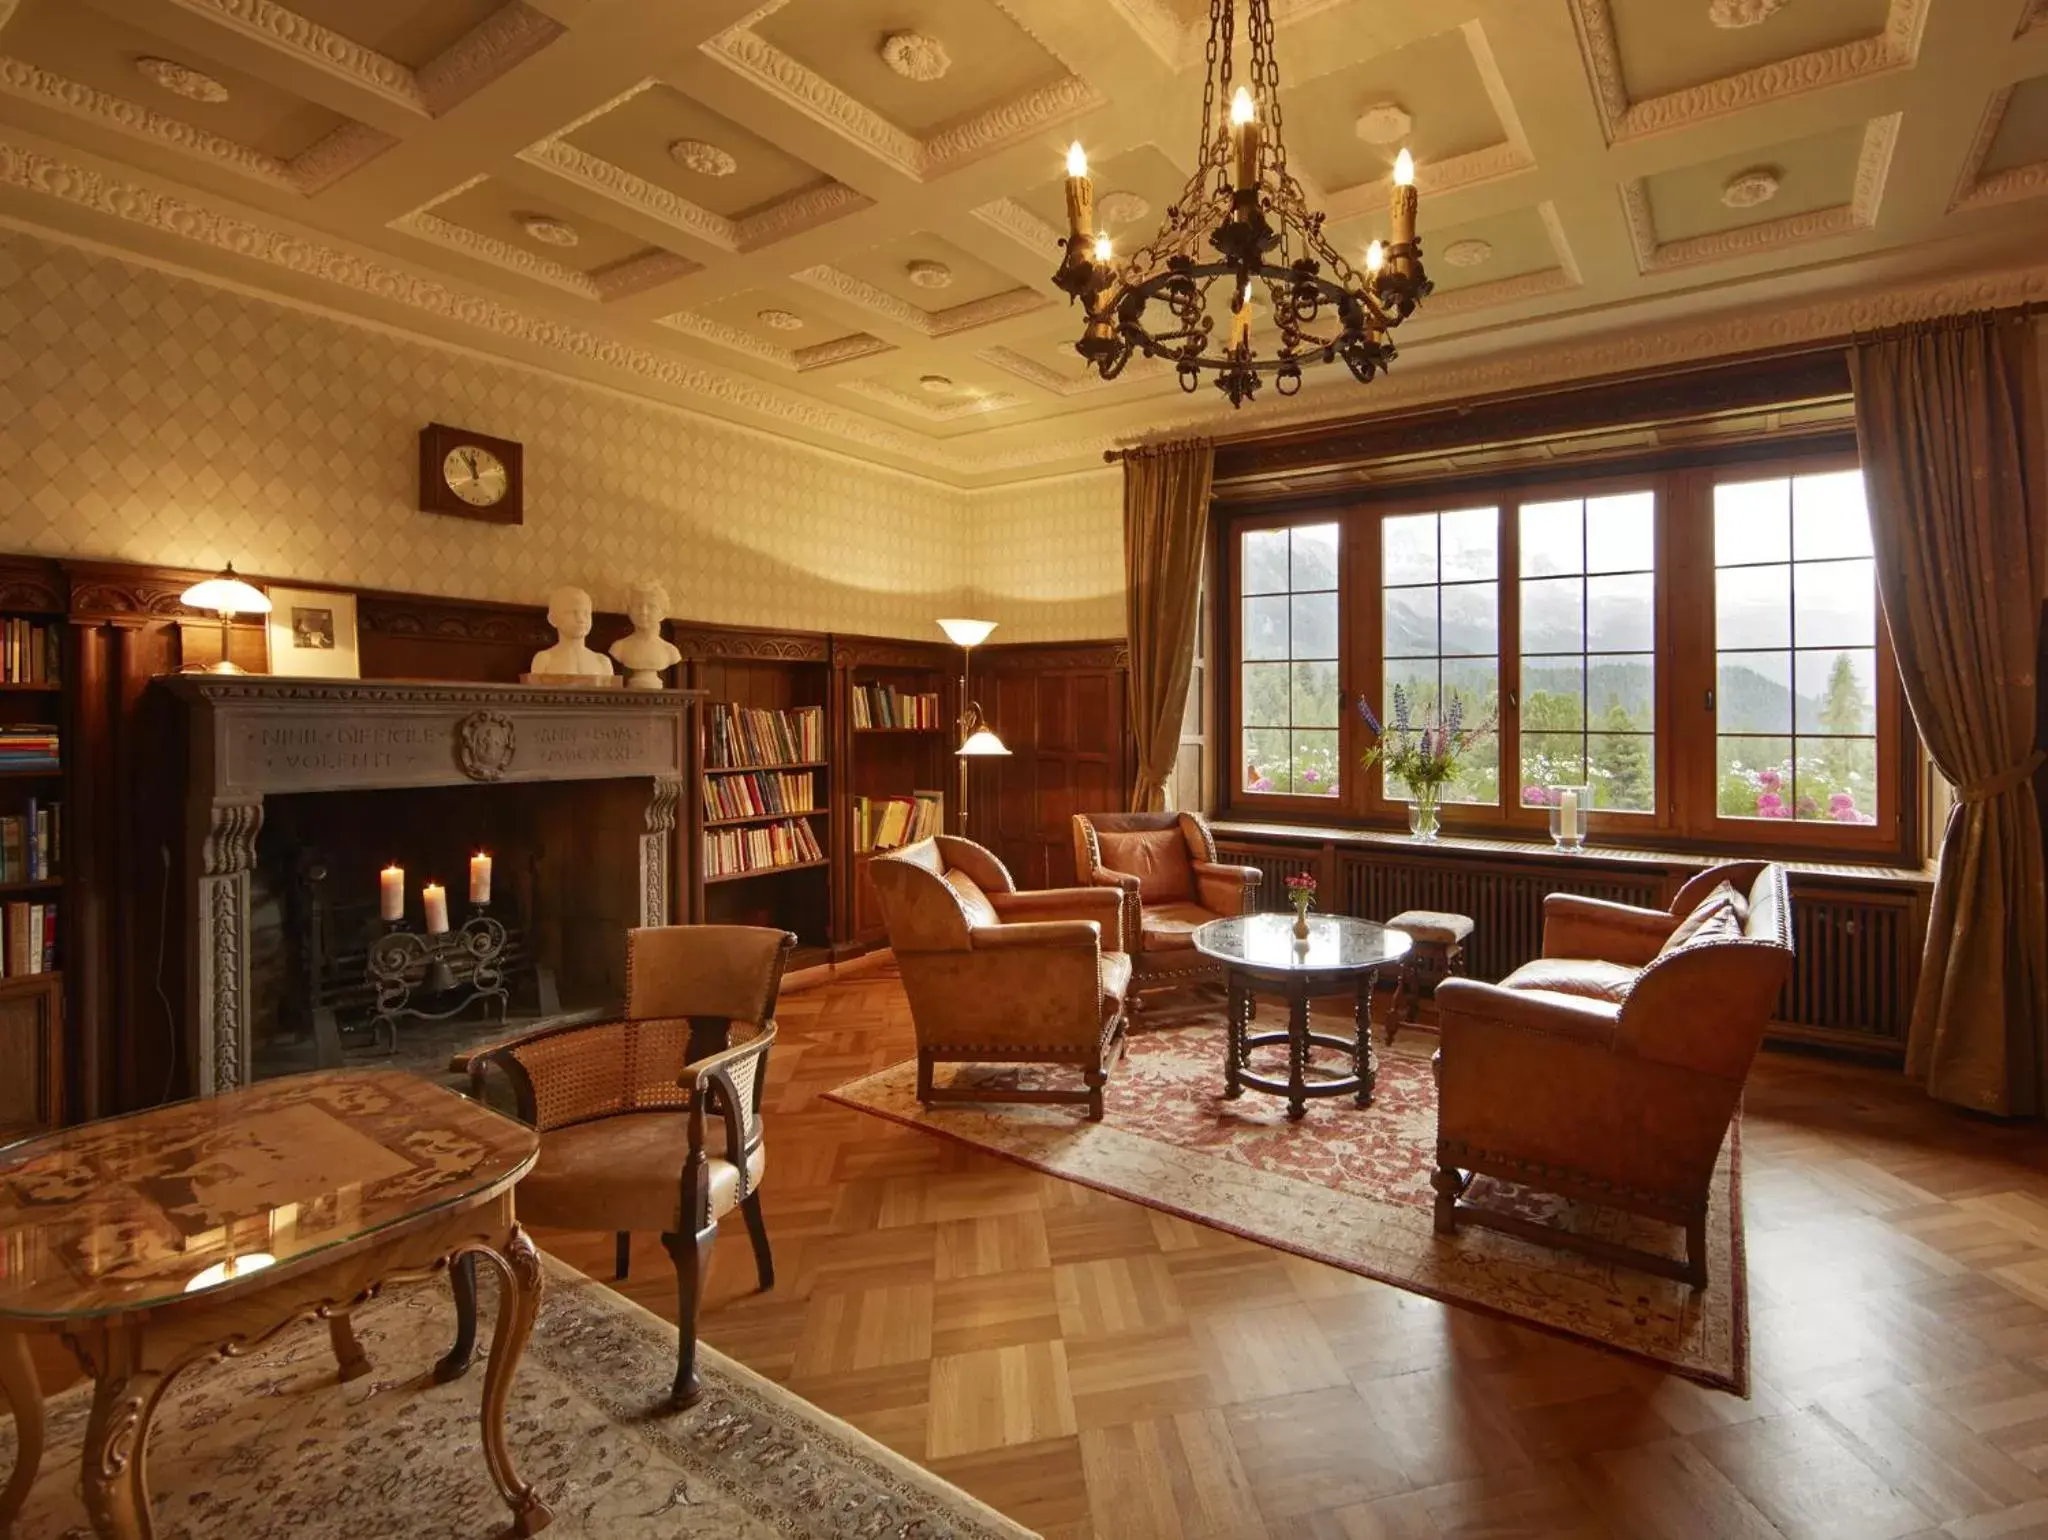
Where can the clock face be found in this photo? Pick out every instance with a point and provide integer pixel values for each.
(475, 475)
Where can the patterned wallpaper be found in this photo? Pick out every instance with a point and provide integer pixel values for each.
(151, 418)
(1047, 557)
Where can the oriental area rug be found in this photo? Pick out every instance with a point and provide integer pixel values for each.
(1350, 1186)
(271, 1447)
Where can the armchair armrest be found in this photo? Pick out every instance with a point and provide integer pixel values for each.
(1105, 907)
(727, 1085)
(1466, 1005)
(1593, 927)
(1227, 889)
(1037, 935)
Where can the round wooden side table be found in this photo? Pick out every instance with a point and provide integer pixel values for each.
(1261, 954)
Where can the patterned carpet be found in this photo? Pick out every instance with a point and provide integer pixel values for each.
(1350, 1187)
(271, 1446)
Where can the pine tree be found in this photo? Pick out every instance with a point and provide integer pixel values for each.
(1844, 711)
(1626, 760)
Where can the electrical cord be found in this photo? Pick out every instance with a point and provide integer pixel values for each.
(163, 926)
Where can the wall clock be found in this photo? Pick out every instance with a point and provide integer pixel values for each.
(471, 475)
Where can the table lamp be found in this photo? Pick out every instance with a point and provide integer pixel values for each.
(228, 596)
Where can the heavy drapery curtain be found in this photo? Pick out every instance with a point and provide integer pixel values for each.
(1948, 424)
(1166, 530)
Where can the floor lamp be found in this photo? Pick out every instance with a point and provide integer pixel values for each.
(977, 738)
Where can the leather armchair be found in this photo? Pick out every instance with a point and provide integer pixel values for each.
(996, 976)
(654, 1122)
(1609, 1069)
(1165, 868)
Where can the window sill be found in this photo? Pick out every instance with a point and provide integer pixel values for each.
(1458, 845)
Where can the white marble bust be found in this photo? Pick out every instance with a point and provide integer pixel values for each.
(569, 614)
(645, 652)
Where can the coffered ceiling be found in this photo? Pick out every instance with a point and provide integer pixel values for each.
(837, 219)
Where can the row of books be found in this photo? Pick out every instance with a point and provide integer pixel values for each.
(730, 851)
(881, 705)
(738, 736)
(883, 823)
(32, 843)
(28, 746)
(759, 792)
(29, 942)
(29, 653)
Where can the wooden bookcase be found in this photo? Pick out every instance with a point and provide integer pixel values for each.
(773, 671)
(886, 761)
(32, 1058)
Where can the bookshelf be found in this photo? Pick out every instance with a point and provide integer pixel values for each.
(34, 917)
(761, 815)
(897, 742)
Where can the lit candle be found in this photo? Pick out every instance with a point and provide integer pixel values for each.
(1103, 252)
(480, 878)
(1244, 140)
(1402, 200)
(434, 900)
(391, 893)
(1080, 193)
(1568, 815)
(1375, 257)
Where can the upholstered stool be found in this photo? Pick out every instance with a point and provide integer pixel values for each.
(1438, 954)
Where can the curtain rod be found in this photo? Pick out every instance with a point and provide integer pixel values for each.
(1147, 451)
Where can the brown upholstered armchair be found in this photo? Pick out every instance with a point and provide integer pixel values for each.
(1165, 867)
(654, 1122)
(1001, 977)
(1609, 1069)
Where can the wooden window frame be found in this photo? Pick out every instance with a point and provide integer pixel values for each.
(1685, 775)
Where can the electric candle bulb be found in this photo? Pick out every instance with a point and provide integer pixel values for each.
(1077, 159)
(1241, 109)
(1404, 170)
(1080, 195)
(1102, 248)
(1244, 141)
(1375, 257)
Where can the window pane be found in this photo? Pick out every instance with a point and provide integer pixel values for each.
(1552, 617)
(1265, 561)
(1315, 764)
(1268, 761)
(1264, 701)
(1471, 623)
(1621, 769)
(1834, 604)
(1408, 549)
(1621, 613)
(1836, 781)
(1315, 695)
(1410, 622)
(1753, 607)
(1553, 538)
(1315, 625)
(1315, 557)
(1829, 517)
(1755, 778)
(1621, 533)
(1415, 678)
(1553, 694)
(1752, 522)
(1471, 545)
(1550, 759)
(1755, 692)
(1474, 685)
(1837, 692)
(1265, 628)
(1621, 693)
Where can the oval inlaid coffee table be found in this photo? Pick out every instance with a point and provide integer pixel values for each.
(1261, 954)
(157, 1241)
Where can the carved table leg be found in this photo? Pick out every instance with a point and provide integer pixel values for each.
(519, 1275)
(115, 1463)
(1367, 1068)
(1239, 1010)
(25, 1397)
(1297, 1055)
(462, 1279)
(349, 1356)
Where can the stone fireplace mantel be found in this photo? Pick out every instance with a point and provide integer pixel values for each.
(249, 737)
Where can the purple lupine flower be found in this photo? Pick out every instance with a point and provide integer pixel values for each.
(1371, 721)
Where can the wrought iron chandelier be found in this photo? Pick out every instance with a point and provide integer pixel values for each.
(1242, 224)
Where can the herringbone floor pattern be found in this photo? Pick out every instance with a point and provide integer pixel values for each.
(1101, 1371)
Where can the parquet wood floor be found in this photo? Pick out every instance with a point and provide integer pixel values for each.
(1102, 1371)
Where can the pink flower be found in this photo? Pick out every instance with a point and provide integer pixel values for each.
(1261, 784)
(1309, 777)
(1841, 800)
(1769, 780)
(1846, 813)
(1536, 796)
(1769, 804)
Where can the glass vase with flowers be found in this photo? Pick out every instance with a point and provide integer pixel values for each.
(1301, 892)
(1423, 751)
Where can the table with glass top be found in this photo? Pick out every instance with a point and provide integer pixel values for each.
(157, 1241)
(1261, 954)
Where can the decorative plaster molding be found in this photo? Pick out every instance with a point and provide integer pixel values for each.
(1974, 190)
(2036, 16)
(915, 56)
(1432, 178)
(180, 79)
(929, 410)
(926, 323)
(1873, 167)
(637, 274)
(310, 43)
(820, 355)
(1159, 29)
(492, 48)
(449, 236)
(1897, 47)
(551, 232)
(1006, 216)
(1047, 378)
(744, 51)
(1504, 291)
(1732, 15)
(1469, 253)
(702, 157)
(347, 149)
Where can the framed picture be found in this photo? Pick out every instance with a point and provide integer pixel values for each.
(313, 633)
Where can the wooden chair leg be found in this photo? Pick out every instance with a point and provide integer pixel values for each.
(757, 1232)
(692, 1257)
(1696, 1251)
(1449, 1183)
(1094, 1079)
(924, 1077)
(462, 1279)
(622, 1255)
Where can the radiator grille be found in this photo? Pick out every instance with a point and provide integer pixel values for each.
(1277, 865)
(1506, 907)
(1858, 962)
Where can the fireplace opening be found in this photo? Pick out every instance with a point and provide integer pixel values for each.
(332, 982)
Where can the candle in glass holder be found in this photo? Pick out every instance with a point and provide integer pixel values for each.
(391, 893)
(480, 878)
(434, 900)
(1568, 814)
